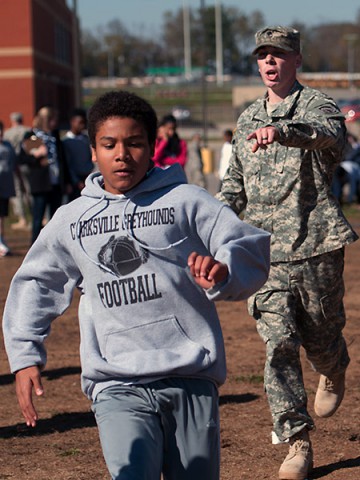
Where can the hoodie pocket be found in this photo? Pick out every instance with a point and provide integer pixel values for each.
(155, 348)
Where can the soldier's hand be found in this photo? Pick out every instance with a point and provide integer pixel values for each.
(264, 136)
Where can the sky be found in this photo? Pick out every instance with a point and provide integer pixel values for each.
(144, 17)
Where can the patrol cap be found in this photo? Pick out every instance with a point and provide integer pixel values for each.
(285, 38)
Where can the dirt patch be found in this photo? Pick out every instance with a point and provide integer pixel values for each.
(65, 444)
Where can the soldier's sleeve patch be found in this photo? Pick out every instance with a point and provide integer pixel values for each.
(326, 108)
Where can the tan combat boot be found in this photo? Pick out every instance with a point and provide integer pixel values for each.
(299, 461)
(329, 394)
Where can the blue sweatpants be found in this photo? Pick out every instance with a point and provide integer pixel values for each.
(169, 426)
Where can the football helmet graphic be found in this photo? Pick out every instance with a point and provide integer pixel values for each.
(121, 256)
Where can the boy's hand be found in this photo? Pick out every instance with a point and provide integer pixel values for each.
(207, 271)
(26, 380)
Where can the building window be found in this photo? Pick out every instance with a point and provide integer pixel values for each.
(62, 44)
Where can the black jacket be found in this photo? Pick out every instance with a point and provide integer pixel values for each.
(39, 175)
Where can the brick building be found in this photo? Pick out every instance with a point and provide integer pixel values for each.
(38, 58)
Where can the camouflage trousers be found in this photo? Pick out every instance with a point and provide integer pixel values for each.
(301, 304)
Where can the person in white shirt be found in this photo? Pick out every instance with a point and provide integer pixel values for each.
(225, 154)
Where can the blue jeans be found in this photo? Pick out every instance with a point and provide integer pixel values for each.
(170, 426)
(52, 199)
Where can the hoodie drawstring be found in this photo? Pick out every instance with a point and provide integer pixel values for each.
(129, 231)
(131, 234)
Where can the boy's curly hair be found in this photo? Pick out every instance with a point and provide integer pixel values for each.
(121, 103)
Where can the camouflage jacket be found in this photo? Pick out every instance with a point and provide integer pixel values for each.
(286, 188)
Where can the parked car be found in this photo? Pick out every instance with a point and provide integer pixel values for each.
(181, 113)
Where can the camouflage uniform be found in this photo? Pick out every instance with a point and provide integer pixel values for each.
(286, 190)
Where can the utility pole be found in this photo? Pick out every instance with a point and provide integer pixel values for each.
(219, 44)
(76, 56)
(187, 41)
(203, 77)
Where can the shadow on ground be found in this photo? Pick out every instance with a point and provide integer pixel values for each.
(244, 398)
(320, 472)
(58, 423)
(49, 374)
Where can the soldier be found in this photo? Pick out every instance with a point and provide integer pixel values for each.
(285, 149)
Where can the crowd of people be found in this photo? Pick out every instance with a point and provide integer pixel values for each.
(49, 170)
(152, 351)
(41, 170)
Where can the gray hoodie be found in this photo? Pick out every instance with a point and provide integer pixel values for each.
(142, 317)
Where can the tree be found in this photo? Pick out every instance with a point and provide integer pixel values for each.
(244, 32)
(316, 58)
(173, 37)
(204, 24)
(113, 50)
(91, 53)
